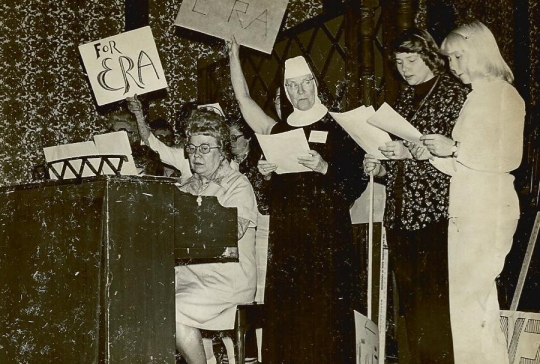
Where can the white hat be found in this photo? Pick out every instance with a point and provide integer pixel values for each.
(295, 67)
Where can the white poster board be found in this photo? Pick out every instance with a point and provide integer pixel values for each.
(367, 340)
(254, 23)
(123, 65)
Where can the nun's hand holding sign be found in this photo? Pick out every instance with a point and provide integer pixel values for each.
(134, 104)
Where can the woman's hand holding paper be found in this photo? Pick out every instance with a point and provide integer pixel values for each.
(395, 150)
(314, 161)
(438, 145)
(265, 168)
(419, 152)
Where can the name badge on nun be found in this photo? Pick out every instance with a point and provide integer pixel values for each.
(317, 136)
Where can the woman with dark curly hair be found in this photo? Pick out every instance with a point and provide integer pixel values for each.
(416, 213)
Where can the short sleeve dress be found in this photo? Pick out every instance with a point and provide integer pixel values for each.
(207, 294)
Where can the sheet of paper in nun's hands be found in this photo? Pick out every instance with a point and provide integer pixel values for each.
(388, 119)
(367, 340)
(367, 136)
(283, 150)
(254, 23)
(71, 150)
(116, 143)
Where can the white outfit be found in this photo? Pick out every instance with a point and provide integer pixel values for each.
(172, 156)
(207, 294)
(484, 210)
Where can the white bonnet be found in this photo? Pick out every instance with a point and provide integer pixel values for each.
(295, 67)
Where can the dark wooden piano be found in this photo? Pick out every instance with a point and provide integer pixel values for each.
(87, 267)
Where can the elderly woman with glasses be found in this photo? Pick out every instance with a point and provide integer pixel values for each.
(312, 277)
(207, 294)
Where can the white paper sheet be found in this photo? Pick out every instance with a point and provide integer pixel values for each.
(64, 151)
(283, 150)
(368, 137)
(116, 143)
(387, 119)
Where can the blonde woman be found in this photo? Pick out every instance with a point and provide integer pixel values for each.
(486, 145)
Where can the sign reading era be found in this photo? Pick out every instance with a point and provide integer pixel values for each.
(123, 65)
(254, 23)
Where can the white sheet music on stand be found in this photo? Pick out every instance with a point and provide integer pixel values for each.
(367, 340)
(116, 143)
(70, 150)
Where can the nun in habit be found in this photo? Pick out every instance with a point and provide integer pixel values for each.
(313, 279)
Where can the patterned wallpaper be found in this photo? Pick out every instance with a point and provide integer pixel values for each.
(45, 98)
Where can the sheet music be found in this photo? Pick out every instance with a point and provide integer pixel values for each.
(116, 143)
(283, 150)
(64, 151)
(387, 119)
(367, 136)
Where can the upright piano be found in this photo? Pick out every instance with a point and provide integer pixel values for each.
(87, 267)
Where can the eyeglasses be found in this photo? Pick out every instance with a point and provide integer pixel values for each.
(234, 138)
(295, 87)
(203, 148)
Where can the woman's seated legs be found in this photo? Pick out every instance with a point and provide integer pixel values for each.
(189, 343)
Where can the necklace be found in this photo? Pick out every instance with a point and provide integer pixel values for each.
(426, 97)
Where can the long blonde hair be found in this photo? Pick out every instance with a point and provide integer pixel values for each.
(477, 41)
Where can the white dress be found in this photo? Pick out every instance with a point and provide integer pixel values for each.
(207, 294)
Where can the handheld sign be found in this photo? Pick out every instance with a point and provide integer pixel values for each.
(123, 65)
(254, 23)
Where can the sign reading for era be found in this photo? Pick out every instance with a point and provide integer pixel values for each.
(123, 65)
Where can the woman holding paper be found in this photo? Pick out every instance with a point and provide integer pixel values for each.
(485, 146)
(416, 215)
(312, 282)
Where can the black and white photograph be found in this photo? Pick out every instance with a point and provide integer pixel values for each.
(269, 182)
